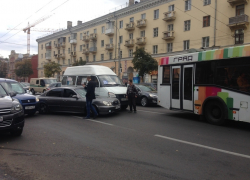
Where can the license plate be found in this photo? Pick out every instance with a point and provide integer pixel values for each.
(124, 99)
(1, 119)
(30, 107)
(117, 107)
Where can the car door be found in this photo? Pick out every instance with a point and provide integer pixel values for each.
(70, 103)
(54, 100)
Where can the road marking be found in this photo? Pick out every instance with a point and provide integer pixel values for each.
(150, 112)
(202, 146)
(94, 121)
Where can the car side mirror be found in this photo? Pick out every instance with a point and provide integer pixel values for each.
(12, 94)
(75, 96)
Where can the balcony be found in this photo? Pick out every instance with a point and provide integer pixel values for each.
(93, 49)
(73, 53)
(168, 35)
(141, 23)
(238, 21)
(169, 16)
(93, 36)
(57, 56)
(62, 55)
(57, 46)
(85, 38)
(85, 51)
(73, 41)
(48, 57)
(62, 44)
(130, 26)
(110, 32)
(48, 46)
(129, 43)
(109, 47)
(141, 41)
(234, 2)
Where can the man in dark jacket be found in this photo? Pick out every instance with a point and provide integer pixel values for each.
(131, 95)
(90, 95)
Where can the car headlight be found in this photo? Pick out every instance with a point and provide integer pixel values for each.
(110, 94)
(37, 99)
(107, 103)
(16, 108)
(152, 95)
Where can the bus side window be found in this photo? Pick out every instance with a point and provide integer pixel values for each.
(166, 75)
(81, 80)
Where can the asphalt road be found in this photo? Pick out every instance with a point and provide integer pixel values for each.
(152, 144)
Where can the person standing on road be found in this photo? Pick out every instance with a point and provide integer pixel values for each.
(90, 95)
(131, 95)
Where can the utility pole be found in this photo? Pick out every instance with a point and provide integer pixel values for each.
(119, 60)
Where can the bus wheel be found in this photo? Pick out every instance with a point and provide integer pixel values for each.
(214, 113)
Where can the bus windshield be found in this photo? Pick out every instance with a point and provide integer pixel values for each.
(50, 81)
(109, 80)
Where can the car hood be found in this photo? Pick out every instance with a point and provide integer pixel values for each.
(117, 90)
(6, 102)
(24, 96)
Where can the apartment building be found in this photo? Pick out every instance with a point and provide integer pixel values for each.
(162, 27)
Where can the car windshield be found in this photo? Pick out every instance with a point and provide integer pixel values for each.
(50, 81)
(13, 87)
(109, 80)
(81, 92)
(146, 88)
(2, 92)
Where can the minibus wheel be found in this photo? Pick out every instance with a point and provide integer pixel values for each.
(214, 112)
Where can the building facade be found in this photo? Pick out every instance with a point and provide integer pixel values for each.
(161, 27)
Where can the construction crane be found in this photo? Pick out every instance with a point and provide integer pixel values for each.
(27, 29)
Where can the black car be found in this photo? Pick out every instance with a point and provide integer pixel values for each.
(146, 94)
(53, 85)
(11, 114)
(73, 100)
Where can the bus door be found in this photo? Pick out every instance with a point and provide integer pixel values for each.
(176, 87)
(187, 87)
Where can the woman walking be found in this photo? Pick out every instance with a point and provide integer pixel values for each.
(131, 95)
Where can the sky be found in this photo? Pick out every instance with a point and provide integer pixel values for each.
(17, 13)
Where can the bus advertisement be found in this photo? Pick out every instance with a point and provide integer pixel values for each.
(214, 83)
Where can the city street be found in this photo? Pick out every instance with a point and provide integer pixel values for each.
(153, 143)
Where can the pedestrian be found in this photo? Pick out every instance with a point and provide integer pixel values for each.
(131, 95)
(90, 95)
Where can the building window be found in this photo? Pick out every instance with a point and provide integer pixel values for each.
(240, 10)
(171, 8)
(170, 47)
(80, 36)
(102, 43)
(186, 45)
(131, 19)
(206, 21)
(111, 40)
(121, 24)
(74, 59)
(120, 39)
(170, 27)
(120, 54)
(68, 61)
(156, 14)
(68, 50)
(94, 58)
(155, 49)
(155, 32)
(87, 32)
(143, 16)
(80, 47)
(42, 73)
(95, 30)
(207, 2)
(41, 55)
(80, 58)
(58, 61)
(205, 42)
(54, 53)
(188, 5)
(102, 57)
(42, 46)
(75, 48)
(68, 39)
(131, 36)
(87, 46)
(103, 29)
(87, 58)
(130, 52)
(239, 36)
(143, 33)
(63, 61)
(187, 25)
(110, 55)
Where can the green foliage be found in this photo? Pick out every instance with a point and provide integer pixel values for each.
(23, 68)
(79, 63)
(51, 68)
(3, 69)
(143, 62)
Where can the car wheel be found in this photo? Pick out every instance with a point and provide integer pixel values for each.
(214, 113)
(33, 92)
(17, 132)
(123, 107)
(144, 101)
(43, 109)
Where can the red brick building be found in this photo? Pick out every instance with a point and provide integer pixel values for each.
(34, 62)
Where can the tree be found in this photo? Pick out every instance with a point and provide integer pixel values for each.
(143, 62)
(79, 63)
(51, 68)
(23, 68)
(3, 69)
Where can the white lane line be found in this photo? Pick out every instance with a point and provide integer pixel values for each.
(202, 146)
(150, 112)
(94, 121)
